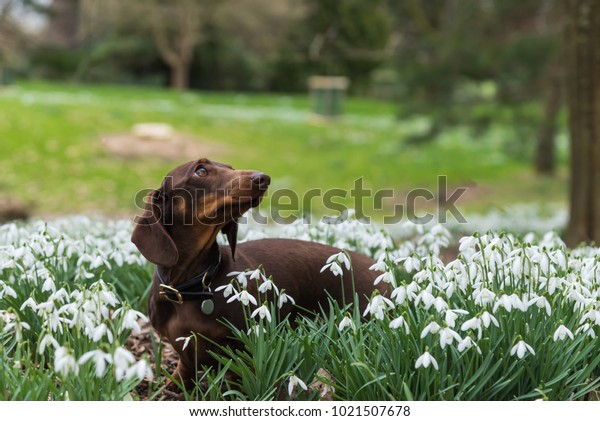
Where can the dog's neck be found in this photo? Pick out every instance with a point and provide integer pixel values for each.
(197, 251)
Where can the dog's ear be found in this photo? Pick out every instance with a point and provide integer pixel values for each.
(230, 230)
(150, 236)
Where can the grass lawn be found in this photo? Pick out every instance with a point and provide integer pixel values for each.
(53, 159)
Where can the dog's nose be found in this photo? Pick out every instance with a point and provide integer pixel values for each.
(262, 180)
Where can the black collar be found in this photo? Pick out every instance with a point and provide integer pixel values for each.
(187, 289)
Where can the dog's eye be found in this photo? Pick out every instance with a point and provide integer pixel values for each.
(201, 172)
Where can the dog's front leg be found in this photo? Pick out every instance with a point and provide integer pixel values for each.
(183, 376)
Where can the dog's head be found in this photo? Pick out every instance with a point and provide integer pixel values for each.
(199, 194)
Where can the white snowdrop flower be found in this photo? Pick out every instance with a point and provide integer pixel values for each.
(255, 274)
(483, 297)
(55, 322)
(346, 321)
(425, 297)
(64, 362)
(412, 263)
(100, 331)
(378, 306)
(335, 262)
(100, 261)
(425, 360)
(30, 302)
(84, 274)
(473, 272)
(342, 258)
(294, 382)
(240, 277)
(488, 319)
(423, 276)
(118, 256)
(380, 266)
(48, 285)
(141, 369)
(399, 322)
(587, 329)
(432, 327)
(521, 348)
(109, 297)
(244, 297)
(472, 324)
(334, 268)
(452, 316)
(467, 343)
(18, 327)
(399, 294)
(560, 257)
(579, 298)
(284, 298)
(467, 242)
(227, 290)
(561, 333)
(592, 315)
(186, 341)
(48, 339)
(263, 312)
(122, 360)
(439, 304)
(7, 290)
(61, 295)
(130, 321)
(519, 304)
(447, 336)
(541, 302)
(553, 283)
(520, 266)
(545, 264)
(387, 277)
(505, 301)
(268, 285)
(100, 359)
(411, 290)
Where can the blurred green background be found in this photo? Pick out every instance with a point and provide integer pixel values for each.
(469, 90)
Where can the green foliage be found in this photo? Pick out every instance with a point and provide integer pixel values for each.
(508, 319)
(338, 37)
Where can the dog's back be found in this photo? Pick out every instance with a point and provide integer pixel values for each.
(296, 265)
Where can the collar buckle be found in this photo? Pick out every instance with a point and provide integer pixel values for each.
(164, 290)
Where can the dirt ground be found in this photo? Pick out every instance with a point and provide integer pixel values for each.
(174, 147)
(140, 344)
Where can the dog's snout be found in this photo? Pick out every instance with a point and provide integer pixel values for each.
(262, 180)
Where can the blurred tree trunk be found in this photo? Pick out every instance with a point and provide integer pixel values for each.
(545, 156)
(583, 81)
(176, 27)
(63, 26)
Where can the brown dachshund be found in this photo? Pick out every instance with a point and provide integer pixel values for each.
(178, 233)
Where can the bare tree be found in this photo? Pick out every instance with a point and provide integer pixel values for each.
(583, 82)
(176, 26)
(545, 153)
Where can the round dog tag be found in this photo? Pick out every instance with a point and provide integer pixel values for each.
(208, 306)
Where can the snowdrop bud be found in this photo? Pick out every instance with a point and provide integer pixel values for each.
(346, 321)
